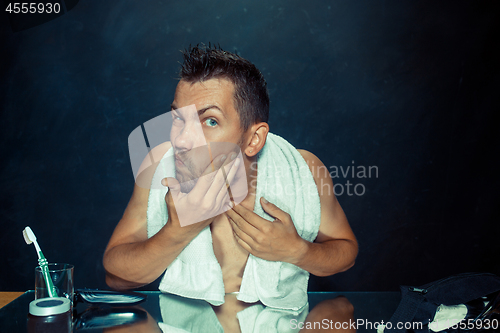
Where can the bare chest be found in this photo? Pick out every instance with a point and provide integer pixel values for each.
(231, 256)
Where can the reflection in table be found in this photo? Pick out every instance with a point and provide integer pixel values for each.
(163, 311)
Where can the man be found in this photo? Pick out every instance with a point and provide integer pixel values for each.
(232, 102)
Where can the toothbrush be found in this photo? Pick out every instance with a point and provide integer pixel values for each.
(29, 237)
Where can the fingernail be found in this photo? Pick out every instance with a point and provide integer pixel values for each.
(164, 182)
(264, 200)
(233, 156)
(223, 158)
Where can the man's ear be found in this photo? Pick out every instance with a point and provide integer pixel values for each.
(257, 139)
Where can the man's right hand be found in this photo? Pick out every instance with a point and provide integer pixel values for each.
(189, 213)
(131, 258)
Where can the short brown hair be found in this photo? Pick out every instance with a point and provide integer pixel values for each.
(251, 96)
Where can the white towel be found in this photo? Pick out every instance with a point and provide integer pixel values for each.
(188, 315)
(260, 319)
(284, 179)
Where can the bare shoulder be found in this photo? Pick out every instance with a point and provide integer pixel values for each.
(334, 224)
(307, 155)
(318, 169)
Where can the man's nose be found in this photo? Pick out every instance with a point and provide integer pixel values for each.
(191, 136)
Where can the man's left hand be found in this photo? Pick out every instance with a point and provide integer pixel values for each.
(275, 241)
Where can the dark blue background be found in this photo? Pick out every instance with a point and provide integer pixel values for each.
(408, 86)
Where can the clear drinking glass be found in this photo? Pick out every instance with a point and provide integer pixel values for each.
(62, 278)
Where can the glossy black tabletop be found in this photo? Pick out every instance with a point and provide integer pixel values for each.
(149, 316)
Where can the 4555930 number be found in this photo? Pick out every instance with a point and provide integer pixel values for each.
(32, 7)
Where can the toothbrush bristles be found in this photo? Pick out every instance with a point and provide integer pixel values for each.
(30, 237)
(26, 237)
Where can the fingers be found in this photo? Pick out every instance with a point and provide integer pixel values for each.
(215, 164)
(241, 228)
(208, 177)
(248, 215)
(274, 211)
(240, 240)
(233, 170)
(173, 191)
(218, 190)
(218, 162)
(241, 224)
(222, 191)
(172, 184)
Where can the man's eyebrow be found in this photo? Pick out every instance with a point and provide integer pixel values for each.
(202, 111)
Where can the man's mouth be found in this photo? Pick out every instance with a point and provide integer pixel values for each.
(188, 166)
(178, 161)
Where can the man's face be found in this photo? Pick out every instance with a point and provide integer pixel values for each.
(214, 120)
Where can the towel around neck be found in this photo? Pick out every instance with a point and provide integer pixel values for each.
(284, 179)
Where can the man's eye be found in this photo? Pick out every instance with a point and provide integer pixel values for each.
(176, 117)
(211, 122)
